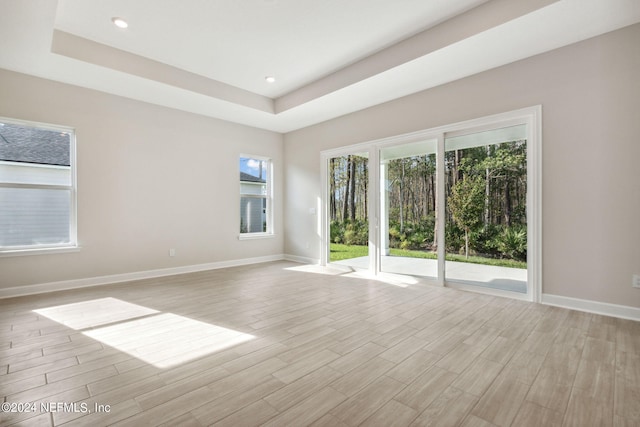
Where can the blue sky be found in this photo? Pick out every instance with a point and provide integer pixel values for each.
(252, 167)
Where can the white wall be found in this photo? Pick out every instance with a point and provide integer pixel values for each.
(149, 179)
(590, 95)
(152, 178)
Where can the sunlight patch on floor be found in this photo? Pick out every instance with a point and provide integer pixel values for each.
(333, 270)
(356, 273)
(96, 312)
(167, 339)
(161, 339)
(388, 278)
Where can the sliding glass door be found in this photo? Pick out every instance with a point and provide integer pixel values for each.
(408, 227)
(348, 209)
(459, 204)
(486, 208)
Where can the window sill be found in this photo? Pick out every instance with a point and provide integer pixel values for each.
(254, 236)
(38, 251)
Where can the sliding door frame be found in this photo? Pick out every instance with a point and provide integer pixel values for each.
(373, 203)
(531, 116)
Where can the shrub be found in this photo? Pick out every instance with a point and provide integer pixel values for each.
(350, 232)
(454, 238)
(336, 230)
(485, 240)
(512, 242)
(350, 237)
(406, 245)
(417, 240)
(414, 236)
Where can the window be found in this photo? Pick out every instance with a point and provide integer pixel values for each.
(37, 187)
(255, 196)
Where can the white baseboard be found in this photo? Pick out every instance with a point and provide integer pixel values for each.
(614, 310)
(126, 277)
(301, 259)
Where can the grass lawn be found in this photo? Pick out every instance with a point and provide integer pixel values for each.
(340, 252)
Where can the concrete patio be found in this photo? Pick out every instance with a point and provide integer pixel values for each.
(489, 276)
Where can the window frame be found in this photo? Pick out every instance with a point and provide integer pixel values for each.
(37, 249)
(268, 197)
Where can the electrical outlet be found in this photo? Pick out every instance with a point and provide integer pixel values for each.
(636, 281)
(172, 252)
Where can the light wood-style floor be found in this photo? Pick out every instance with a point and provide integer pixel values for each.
(268, 345)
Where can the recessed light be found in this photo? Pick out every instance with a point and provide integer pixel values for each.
(119, 22)
(270, 79)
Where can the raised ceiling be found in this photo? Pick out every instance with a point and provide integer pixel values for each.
(329, 57)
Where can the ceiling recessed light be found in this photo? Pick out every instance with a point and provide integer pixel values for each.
(119, 22)
(270, 79)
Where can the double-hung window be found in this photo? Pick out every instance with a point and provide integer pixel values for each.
(255, 197)
(37, 187)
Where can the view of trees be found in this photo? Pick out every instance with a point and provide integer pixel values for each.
(348, 204)
(486, 200)
(486, 189)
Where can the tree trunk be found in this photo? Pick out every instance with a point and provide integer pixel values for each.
(507, 204)
(466, 243)
(433, 192)
(345, 211)
(353, 189)
(435, 213)
(402, 197)
(487, 192)
(332, 189)
(427, 190)
(457, 173)
(366, 189)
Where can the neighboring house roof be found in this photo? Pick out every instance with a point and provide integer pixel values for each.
(245, 177)
(32, 145)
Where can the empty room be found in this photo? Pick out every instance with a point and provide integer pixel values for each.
(327, 213)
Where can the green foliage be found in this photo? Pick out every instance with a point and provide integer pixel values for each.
(340, 252)
(466, 202)
(405, 244)
(486, 208)
(493, 241)
(506, 160)
(454, 238)
(350, 232)
(512, 242)
(414, 235)
(336, 230)
(484, 240)
(519, 215)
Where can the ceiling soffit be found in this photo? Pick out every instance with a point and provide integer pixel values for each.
(489, 35)
(460, 27)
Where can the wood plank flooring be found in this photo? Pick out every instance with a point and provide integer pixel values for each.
(269, 344)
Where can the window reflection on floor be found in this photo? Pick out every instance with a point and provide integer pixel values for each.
(96, 312)
(161, 339)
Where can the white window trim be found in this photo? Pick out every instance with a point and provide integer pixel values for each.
(269, 198)
(255, 236)
(40, 251)
(73, 246)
